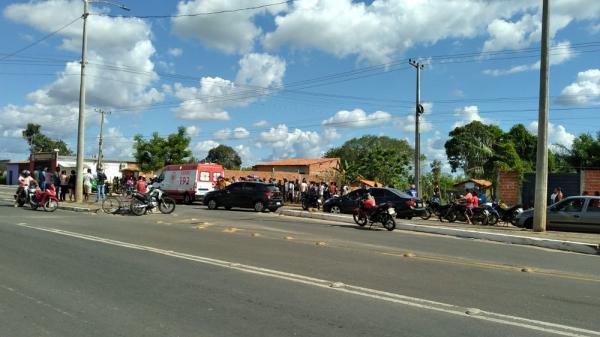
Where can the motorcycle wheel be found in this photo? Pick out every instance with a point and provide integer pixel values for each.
(389, 223)
(451, 216)
(50, 205)
(427, 214)
(360, 220)
(166, 205)
(493, 219)
(138, 207)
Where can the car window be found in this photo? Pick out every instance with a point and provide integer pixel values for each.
(235, 187)
(356, 194)
(377, 193)
(390, 195)
(594, 206)
(570, 205)
(403, 195)
(204, 176)
(249, 187)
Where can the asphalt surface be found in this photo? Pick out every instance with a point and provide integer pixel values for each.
(238, 273)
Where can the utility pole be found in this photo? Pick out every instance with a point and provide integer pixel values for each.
(541, 164)
(81, 121)
(100, 155)
(418, 111)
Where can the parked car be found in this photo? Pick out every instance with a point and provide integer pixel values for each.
(577, 213)
(245, 194)
(404, 204)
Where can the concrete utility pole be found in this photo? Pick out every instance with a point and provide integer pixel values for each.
(81, 122)
(541, 165)
(418, 111)
(100, 155)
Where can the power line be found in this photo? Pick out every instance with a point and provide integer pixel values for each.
(45, 37)
(223, 11)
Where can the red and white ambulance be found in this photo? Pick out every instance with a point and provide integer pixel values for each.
(189, 182)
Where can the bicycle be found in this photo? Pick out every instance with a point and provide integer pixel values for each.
(111, 205)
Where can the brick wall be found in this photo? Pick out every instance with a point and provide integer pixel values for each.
(590, 180)
(509, 188)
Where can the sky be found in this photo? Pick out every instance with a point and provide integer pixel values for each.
(293, 79)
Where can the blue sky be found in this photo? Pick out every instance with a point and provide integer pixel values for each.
(295, 79)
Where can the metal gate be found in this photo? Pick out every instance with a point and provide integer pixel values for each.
(570, 183)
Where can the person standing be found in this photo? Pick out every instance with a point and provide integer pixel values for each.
(87, 184)
(56, 181)
(48, 178)
(100, 185)
(412, 190)
(72, 183)
(291, 187)
(141, 185)
(64, 185)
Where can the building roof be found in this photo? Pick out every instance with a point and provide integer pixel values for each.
(18, 162)
(481, 182)
(297, 162)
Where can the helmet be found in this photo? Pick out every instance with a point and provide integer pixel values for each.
(26, 173)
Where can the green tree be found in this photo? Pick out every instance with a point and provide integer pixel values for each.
(38, 142)
(525, 145)
(384, 159)
(436, 171)
(226, 156)
(585, 152)
(165, 151)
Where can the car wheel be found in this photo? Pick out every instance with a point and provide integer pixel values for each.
(187, 199)
(529, 223)
(335, 209)
(212, 204)
(259, 206)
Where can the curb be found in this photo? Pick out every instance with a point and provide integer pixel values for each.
(571, 246)
(64, 208)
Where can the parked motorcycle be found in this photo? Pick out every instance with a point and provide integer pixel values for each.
(382, 213)
(459, 212)
(506, 215)
(142, 202)
(310, 200)
(433, 207)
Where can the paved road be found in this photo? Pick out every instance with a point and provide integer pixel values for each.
(219, 273)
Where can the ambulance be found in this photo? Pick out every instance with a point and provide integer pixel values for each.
(188, 182)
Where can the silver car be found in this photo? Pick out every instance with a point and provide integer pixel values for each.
(579, 213)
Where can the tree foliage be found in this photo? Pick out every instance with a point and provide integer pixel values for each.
(383, 159)
(165, 151)
(38, 142)
(226, 156)
(584, 153)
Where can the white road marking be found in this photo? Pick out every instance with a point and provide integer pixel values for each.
(558, 329)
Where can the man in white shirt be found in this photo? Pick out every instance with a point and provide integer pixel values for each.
(87, 184)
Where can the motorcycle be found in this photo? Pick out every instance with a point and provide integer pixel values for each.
(36, 197)
(311, 200)
(459, 212)
(504, 214)
(382, 213)
(433, 207)
(143, 202)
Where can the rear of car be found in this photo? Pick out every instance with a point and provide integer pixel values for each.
(256, 195)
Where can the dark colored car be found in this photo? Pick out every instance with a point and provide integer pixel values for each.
(404, 204)
(578, 213)
(245, 194)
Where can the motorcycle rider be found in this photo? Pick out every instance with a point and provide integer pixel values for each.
(25, 179)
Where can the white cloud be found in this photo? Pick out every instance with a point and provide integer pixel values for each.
(468, 114)
(111, 41)
(200, 150)
(331, 134)
(435, 150)
(560, 53)
(585, 89)
(377, 32)
(357, 118)
(117, 146)
(245, 153)
(261, 124)
(237, 133)
(230, 32)
(557, 134)
(175, 52)
(192, 131)
(213, 95)
(287, 143)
